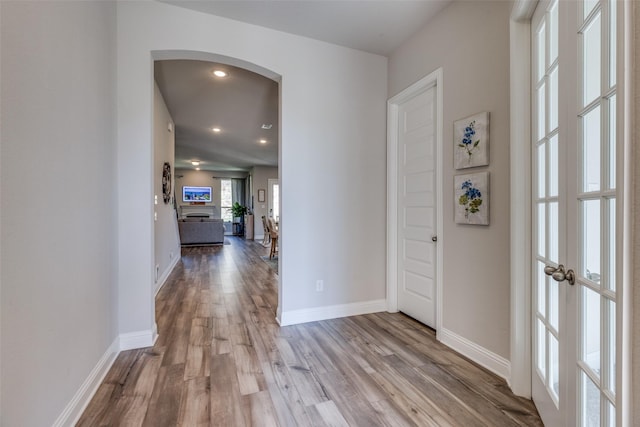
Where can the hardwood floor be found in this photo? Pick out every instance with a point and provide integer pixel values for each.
(221, 359)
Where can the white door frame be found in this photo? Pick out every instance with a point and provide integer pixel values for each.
(520, 176)
(270, 183)
(433, 79)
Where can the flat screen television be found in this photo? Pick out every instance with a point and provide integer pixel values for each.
(196, 194)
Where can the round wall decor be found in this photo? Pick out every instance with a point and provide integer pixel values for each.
(166, 183)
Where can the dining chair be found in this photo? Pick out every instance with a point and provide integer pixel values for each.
(273, 232)
(267, 233)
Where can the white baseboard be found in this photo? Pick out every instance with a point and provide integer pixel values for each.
(483, 357)
(163, 279)
(139, 339)
(73, 411)
(294, 317)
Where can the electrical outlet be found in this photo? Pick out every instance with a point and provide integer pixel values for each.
(157, 271)
(319, 285)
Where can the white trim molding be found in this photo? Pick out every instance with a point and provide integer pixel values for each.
(483, 357)
(165, 275)
(315, 314)
(522, 10)
(628, 221)
(432, 80)
(520, 151)
(74, 409)
(392, 206)
(139, 339)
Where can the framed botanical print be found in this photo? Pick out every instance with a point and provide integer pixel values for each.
(471, 198)
(471, 141)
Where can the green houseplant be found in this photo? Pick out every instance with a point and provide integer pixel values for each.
(238, 210)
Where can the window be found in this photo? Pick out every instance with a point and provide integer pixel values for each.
(225, 200)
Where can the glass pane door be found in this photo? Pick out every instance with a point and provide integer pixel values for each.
(575, 196)
(548, 213)
(595, 202)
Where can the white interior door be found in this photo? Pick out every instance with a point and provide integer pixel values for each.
(417, 207)
(274, 199)
(575, 196)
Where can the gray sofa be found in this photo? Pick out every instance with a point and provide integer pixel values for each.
(198, 231)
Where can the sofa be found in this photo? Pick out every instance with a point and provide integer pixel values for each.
(199, 231)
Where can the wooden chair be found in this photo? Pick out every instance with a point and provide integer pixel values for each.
(273, 232)
(267, 233)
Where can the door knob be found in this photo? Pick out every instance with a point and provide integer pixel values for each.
(559, 274)
(434, 238)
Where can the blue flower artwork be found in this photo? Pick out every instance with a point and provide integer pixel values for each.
(471, 198)
(471, 136)
(469, 142)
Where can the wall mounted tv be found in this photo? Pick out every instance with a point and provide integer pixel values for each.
(196, 194)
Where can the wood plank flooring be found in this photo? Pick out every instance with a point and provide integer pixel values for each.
(222, 360)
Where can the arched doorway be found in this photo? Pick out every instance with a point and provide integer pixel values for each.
(163, 267)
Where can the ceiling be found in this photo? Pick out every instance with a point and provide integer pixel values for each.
(376, 26)
(243, 101)
(239, 104)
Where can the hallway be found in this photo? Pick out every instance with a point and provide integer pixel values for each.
(221, 359)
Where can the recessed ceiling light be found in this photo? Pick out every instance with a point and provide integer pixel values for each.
(263, 141)
(195, 163)
(267, 126)
(219, 73)
(216, 129)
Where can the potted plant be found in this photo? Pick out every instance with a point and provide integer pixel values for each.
(238, 212)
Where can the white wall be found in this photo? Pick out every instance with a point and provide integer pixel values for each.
(475, 61)
(58, 195)
(332, 153)
(166, 238)
(261, 176)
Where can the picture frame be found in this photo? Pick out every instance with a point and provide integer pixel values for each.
(471, 198)
(261, 196)
(471, 141)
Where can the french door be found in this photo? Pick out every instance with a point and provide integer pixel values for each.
(575, 207)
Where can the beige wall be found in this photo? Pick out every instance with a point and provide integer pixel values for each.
(470, 41)
(59, 204)
(194, 178)
(166, 238)
(347, 98)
